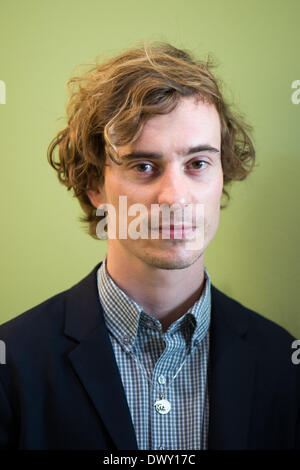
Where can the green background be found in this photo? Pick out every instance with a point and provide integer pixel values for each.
(44, 248)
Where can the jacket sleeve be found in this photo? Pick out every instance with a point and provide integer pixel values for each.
(297, 445)
(7, 429)
(297, 439)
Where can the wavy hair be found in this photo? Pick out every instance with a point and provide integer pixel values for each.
(110, 103)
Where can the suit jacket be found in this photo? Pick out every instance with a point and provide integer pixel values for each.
(61, 389)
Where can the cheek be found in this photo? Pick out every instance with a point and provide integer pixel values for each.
(217, 188)
(213, 193)
(114, 189)
(212, 210)
(212, 203)
(119, 186)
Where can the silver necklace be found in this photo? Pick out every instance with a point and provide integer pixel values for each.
(162, 404)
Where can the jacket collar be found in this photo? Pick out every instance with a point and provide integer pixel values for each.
(231, 367)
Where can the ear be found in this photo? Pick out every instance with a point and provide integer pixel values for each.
(96, 195)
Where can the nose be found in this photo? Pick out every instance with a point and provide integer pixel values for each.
(174, 188)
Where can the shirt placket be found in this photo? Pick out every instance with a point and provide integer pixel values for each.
(163, 425)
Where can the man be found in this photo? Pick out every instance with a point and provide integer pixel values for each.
(144, 352)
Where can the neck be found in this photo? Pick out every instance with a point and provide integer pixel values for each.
(165, 294)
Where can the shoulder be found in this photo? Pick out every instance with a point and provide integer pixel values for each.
(236, 313)
(35, 323)
(274, 350)
(46, 319)
(253, 326)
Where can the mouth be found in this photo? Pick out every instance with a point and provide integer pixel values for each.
(176, 231)
(176, 227)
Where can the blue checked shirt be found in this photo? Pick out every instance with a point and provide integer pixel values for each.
(148, 359)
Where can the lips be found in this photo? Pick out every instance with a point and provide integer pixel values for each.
(176, 231)
(176, 227)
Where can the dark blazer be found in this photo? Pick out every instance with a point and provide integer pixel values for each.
(61, 389)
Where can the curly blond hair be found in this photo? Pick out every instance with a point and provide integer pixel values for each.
(109, 104)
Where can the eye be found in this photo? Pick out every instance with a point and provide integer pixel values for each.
(198, 164)
(143, 167)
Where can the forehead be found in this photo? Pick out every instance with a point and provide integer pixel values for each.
(191, 123)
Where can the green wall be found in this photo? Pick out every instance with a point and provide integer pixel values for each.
(44, 249)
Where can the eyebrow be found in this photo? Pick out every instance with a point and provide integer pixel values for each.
(153, 155)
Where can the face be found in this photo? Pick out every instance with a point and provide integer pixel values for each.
(168, 164)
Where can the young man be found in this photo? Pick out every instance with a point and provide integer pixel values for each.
(145, 353)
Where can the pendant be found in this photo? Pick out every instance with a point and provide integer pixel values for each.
(162, 406)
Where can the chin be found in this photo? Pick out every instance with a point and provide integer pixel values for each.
(169, 259)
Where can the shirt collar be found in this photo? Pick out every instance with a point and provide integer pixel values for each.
(125, 318)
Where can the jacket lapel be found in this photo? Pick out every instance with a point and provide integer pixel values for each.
(94, 362)
(231, 375)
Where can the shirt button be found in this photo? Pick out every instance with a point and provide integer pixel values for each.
(162, 379)
(126, 339)
(161, 447)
